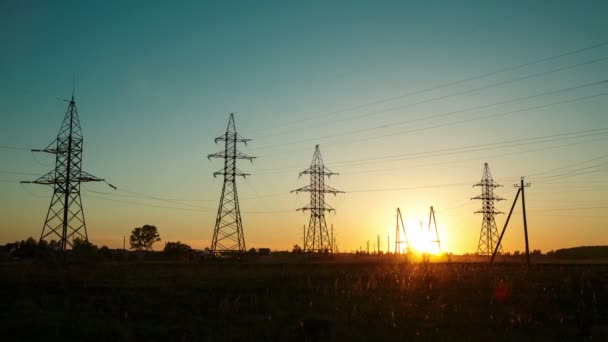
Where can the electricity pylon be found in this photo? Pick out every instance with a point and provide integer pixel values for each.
(398, 241)
(317, 238)
(520, 189)
(432, 215)
(228, 232)
(65, 217)
(489, 233)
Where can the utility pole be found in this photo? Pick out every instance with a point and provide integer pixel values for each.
(489, 232)
(317, 238)
(520, 189)
(303, 236)
(367, 247)
(65, 217)
(228, 234)
(378, 243)
(332, 238)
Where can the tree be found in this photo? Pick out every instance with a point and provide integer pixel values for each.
(296, 249)
(83, 250)
(142, 238)
(177, 250)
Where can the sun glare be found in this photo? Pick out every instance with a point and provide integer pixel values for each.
(421, 240)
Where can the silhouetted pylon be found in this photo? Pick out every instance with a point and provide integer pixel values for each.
(317, 238)
(228, 232)
(65, 217)
(437, 241)
(398, 241)
(489, 232)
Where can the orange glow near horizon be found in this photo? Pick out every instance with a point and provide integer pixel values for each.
(421, 239)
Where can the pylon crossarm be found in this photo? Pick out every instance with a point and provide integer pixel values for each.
(87, 177)
(221, 154)
(240, 155)
(488, 212)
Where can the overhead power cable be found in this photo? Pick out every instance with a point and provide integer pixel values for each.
(443, 85)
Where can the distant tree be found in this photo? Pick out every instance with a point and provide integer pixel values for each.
(252, 251)
(177, 250)
(536, 252)
(142, 238)
(105, 252)
(84, 250)
(296, 249)
(27, 248)
(54, 245)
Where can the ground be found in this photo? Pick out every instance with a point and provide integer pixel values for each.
(357, 299)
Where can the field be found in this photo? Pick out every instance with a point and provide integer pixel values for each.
(306, 300)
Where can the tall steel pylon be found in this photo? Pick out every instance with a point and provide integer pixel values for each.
(488, 238)
(317, 238)
(228, 234)
(65, 217)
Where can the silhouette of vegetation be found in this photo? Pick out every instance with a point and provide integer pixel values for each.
(83, 250)
(177, 251)
(143, 238)
(583, 252)
(300, 300)
(296, 249)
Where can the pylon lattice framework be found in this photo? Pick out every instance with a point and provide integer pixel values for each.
(488, 237)
(317, 238)
(65, 217)
(228, 232)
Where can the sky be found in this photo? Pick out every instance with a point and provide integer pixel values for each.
(407, 100)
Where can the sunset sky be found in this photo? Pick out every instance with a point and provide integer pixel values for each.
(407, 100)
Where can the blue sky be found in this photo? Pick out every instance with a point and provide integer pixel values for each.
(155, 82)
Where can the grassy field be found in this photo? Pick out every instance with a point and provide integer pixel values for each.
(364, 300)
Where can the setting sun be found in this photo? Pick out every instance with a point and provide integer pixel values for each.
(422, 239)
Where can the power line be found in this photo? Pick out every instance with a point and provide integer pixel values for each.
(544, 138)
(444, 85)
(451, 113)
(6, 147)
(571, 209)
(464, 92)
(19, 173)
(438, 153)
(411, 187)
(201, 209)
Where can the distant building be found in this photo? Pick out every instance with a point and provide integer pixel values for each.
(264, 251)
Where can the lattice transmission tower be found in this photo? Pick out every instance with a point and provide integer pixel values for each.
(228, 234)
(65, 217)
(488, 238)
(317, 238)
